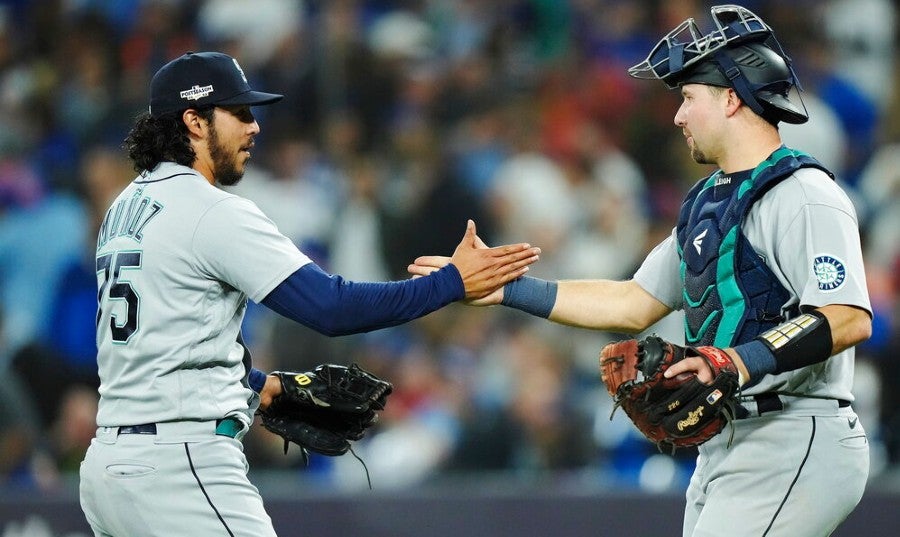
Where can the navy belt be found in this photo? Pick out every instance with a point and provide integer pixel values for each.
(229, 427)
(770, 402)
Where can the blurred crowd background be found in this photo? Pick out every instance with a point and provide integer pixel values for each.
(401, 120)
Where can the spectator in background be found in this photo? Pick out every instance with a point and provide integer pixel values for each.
(63, 357)
(426, 99)
(32, 264)
(530, 194)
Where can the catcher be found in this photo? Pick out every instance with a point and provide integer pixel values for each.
(766, 264)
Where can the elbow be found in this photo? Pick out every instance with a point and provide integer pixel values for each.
(855, 330)
(328, 325)
(862, 330)
(639, 322)
(634, 324)
(326, 321)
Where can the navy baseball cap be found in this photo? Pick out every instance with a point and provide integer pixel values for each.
(203, 79)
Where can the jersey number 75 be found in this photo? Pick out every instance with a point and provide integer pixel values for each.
(119, 289)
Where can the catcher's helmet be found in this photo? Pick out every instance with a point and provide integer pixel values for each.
(741, 53)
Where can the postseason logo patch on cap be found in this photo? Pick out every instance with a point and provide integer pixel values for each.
(830, 272)
(196, 92)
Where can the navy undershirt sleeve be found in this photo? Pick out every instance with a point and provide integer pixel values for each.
(334, 306)
(256, 380)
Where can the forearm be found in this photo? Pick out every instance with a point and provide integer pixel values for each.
(850, 326)
(597, 304)
(615, 306)
(806, 340)
(334, 306)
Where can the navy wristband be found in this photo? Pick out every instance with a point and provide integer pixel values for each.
(257, 380)
(757, 358)
(531, 295)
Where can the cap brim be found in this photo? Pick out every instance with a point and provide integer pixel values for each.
(251, 98)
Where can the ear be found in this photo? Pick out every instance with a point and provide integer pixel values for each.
(731, 102)
(196, 125)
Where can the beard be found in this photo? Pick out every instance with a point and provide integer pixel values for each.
(225, 167)
(699, 156)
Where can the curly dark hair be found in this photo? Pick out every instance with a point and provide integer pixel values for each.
(161, 139)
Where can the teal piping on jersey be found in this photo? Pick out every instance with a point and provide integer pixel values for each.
(730, 296)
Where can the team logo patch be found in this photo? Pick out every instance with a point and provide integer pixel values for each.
(830, 272)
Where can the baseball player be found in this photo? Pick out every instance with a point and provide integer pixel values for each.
(765, 261)
(177, 259)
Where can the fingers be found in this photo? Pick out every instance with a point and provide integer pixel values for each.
(419, 270)
(695, 365)
(522, 264)
(501, 272)
(530, 254)
(678, 368)
(436, 261)
(513, 265)
(426, 264)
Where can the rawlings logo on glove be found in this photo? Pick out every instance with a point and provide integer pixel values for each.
(671, 412)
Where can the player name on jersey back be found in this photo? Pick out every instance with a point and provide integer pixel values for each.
(128, 218)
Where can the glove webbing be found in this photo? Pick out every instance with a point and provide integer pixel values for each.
(305, 454)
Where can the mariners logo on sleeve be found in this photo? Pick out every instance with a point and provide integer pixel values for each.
(829, 271)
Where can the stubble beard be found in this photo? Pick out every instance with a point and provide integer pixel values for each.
(699, 156)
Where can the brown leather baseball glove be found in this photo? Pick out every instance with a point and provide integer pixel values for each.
(675, 412)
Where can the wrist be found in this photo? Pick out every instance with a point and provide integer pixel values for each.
(271, 390)
(531, 295)
(256, 380)
(756, 360)
(743, 373)
(452, 280)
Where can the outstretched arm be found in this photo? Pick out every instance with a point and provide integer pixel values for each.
(614, 306)
(334, 306)
(619, 306)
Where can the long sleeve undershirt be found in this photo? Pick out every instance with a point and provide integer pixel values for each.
(334, 306)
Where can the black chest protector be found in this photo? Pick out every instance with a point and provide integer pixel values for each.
(730, 295)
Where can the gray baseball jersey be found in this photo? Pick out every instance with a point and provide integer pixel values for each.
(177, 259)
(806, 230)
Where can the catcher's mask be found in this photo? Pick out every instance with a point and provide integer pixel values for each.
(741, 53)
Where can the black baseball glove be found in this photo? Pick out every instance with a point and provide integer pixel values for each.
(671, 412)
(324, 410)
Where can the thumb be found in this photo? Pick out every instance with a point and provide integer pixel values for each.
(471, 235)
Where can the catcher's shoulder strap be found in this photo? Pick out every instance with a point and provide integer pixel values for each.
(730, 295)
